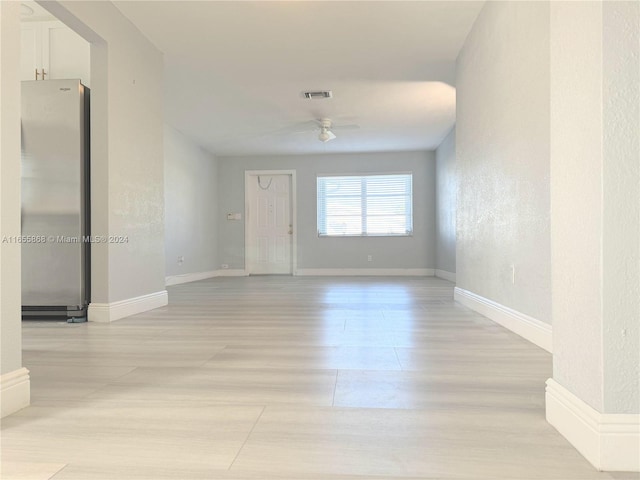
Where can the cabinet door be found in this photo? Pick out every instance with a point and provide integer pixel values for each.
(31, 54)
(65, 53)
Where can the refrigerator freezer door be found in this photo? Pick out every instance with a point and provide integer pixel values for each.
(53, 195)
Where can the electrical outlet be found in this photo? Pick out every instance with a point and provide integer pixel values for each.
(369, 258)
(224, 266)
(180, 260)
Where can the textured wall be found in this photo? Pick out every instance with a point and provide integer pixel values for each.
(10, 301)
(417, 251)
(446, 192)
(191, 212)
(502, 158)
(576, 192)
(595, 176)
(621, 223)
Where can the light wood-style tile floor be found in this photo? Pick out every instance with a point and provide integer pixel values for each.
(289, 378)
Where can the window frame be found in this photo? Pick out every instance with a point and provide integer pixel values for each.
(363, 205)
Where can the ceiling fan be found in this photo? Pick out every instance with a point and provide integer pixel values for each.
(325, 126)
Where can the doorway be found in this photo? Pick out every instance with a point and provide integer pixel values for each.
(55, 162)
(270, 234)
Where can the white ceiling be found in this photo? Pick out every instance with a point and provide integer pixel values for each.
(235, 71)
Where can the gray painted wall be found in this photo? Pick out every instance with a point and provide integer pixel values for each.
(502, 156)
(127, 162)
(191, 197)
(417, 251)
(446, 192)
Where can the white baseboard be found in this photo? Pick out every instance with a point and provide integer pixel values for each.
(233, 272)
(194, 277)
(108, 312)
(391, 272)
(189, 277)
(15, 391)
(611, 442)
(534, 330)
(446, 275)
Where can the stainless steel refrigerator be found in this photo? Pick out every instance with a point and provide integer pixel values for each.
(55, 199)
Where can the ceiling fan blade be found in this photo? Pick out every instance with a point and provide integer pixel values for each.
(345, 127)
(302, 127)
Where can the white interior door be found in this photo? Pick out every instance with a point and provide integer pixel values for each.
(270, 229)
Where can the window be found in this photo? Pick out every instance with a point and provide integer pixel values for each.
(369, 205)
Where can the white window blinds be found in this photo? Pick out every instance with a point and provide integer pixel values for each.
(365, 205)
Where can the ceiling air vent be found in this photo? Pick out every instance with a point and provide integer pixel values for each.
(317, 95)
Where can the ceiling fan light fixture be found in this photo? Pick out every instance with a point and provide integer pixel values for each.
(325, 135)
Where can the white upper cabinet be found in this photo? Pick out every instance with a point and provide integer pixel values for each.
(31, 57)
(56, 49)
